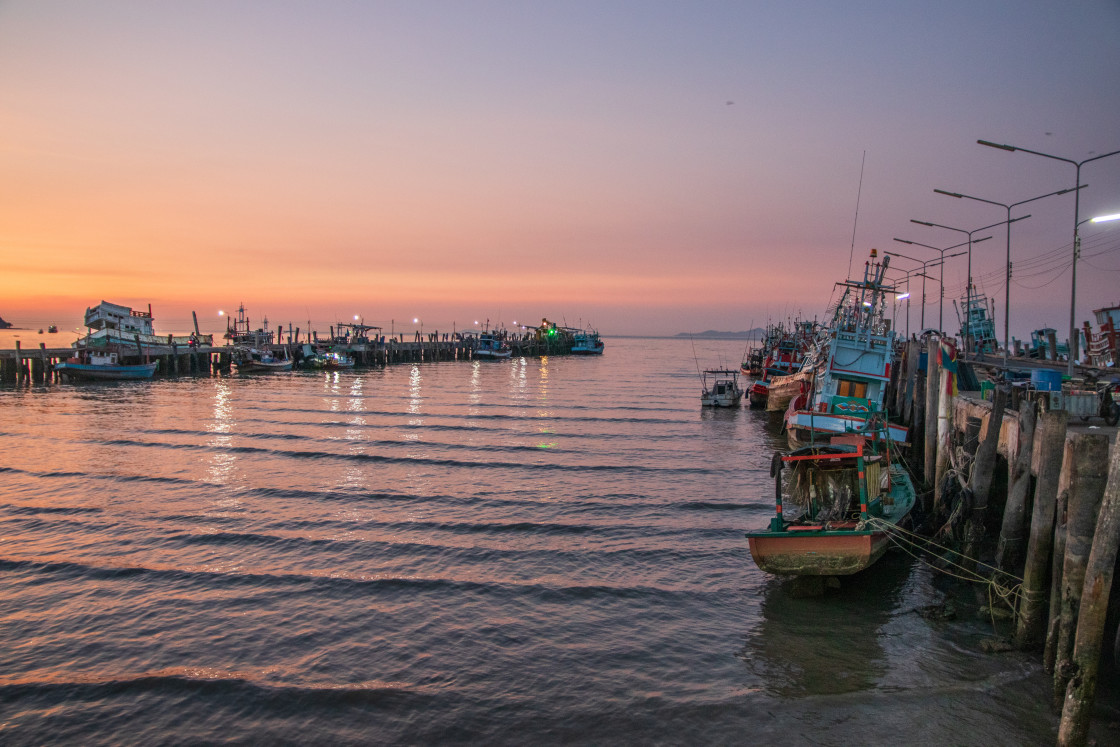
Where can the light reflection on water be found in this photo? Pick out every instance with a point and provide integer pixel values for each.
(519, 551)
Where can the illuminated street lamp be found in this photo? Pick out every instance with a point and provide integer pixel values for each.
(926, 264)
(1007, 290)
(906, 296)
(941, 309)
(1076, 224)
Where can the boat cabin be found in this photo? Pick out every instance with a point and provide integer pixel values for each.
(824, 483)
(107, 315)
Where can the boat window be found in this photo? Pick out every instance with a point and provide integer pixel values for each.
(848, 388)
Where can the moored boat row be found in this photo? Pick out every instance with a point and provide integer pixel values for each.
(844, 482)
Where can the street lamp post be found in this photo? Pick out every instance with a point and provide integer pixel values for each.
(1007, 289)
(941, 309)
(1077, 249)
(1076, 224)
(909, 274)
(906, 296)
(968, 276)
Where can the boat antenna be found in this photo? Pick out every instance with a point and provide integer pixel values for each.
(855, 223)
(747, 342)
(694, 358)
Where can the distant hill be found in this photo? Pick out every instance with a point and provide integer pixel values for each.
(714, 334)
(5, 325)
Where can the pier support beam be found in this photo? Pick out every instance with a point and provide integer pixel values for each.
(1088, 475)
(980, 481)
(1031, 624)
(932, 389)
(1009, 549)
(1081, 691)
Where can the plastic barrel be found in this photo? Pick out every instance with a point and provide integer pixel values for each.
(1046, 381)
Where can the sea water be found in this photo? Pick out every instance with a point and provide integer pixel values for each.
(504, 552)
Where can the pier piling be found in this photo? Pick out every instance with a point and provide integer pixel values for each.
(1080, 693)
(1009, 549)
(1088, 475)
(1030, 626)
(932, 400)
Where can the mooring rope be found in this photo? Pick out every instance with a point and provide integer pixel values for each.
(904, 539)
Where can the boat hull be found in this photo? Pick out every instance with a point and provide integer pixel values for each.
(107, 372)
(264, 367)
(803, 426)
(782, 389)
(816, 553)
(721, 400)
(491, 355)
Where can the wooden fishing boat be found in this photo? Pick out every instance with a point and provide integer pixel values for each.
(783, 389)
(851, 368)
(104, 367)
(847, 497)
(724, 390)
(254, 360)
(587, 343)
(491, 347)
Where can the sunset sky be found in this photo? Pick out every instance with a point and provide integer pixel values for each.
(644, 167)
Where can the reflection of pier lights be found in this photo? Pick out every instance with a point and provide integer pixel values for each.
(1076, 223)
(1007, 289)
(941, 282)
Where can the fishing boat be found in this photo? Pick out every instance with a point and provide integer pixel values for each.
(782, 355)
(113, 325)
(259, 360)
(587, 343)
(335, 360)
(976, 315)
(491, 347)
(105, 366)
(239, 332)
(847, 497)
(724, 390)
(851, 367)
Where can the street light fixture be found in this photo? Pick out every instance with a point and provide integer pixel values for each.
(941, 310)
(1076, 218)
(929, 263)
(1007, 289)
(906, 295)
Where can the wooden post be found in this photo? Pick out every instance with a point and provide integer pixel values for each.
(1052, 341)
(46, 365)
(898, 379)
(1009, 549)
(1081, 692)
(980, 481)
(944, 412)
(1030, 626)
(932, 398)
(1057, 563)
(19, 364)
(913, 353)
(1088, 475)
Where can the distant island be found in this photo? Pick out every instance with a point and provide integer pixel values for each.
(713, 334)
(5, 325)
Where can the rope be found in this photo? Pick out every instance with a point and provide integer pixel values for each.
(904, 539)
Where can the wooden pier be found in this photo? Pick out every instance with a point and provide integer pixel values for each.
(175, 359)
(1024, 500)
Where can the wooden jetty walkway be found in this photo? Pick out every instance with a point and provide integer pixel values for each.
(36, 364)
(1029, 507)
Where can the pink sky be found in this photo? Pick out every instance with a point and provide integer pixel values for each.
(643, 167)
